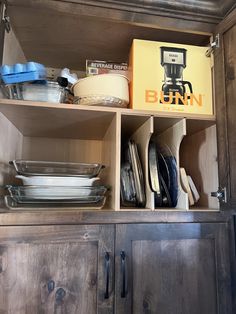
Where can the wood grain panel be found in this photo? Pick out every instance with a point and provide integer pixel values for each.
(55, 270)
(141, 137)
(9, 107)
(174, 268)
(211, 7)
(28, 269)
(75, 216)
(91, 30)
(2, 34)
(58, 120)
(227, 23)
(179, 284)
(110, 152)
(230, 85)
(12, 52)
(68, 150)
(224, 70)
(10, 148)
(198, 155)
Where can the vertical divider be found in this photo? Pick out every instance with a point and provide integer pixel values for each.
(142, 137)
(11, 141)
(111, 160)
(118, 160)
(172, 137)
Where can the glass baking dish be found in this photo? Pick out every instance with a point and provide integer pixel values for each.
(49, 91)
(49, 168)
(99, 100)
(12, 204)
(56, 193)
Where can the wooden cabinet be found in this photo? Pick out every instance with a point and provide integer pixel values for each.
(173, 269)
(225, 69)
(56, 269)
(95, 134)
(173, 266)
(154, 268)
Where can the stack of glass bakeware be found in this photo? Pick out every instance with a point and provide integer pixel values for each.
(56, 184)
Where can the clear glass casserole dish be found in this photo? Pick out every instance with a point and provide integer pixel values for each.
(12, 204)
(49, 91)
(58, 193)
(49, 168)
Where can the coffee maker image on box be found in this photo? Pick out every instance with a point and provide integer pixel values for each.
(174, 88)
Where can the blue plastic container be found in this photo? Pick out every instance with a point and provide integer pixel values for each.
(18, 73)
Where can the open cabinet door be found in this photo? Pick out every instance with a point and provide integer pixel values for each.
(2, 30)
(225, 92)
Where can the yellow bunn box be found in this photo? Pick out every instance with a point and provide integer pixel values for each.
(170, 77)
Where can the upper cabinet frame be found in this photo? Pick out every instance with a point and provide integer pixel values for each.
(202, 14)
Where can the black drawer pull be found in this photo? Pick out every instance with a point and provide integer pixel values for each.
(107, 267)
(123, 292)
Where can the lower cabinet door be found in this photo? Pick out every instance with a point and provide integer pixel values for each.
(172, 269)
(57, 269)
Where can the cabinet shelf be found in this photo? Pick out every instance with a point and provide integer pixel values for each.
(61, 120)
(74, 133)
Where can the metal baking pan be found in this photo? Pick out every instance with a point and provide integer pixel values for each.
(138, 174)
(127, 187)
(154, 173)
(49, 168)
(162, 175)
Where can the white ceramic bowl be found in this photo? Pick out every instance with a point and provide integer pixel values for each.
(113, 85)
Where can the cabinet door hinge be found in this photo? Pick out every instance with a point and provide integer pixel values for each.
(5, 17)
(220, 194)
(215, 43)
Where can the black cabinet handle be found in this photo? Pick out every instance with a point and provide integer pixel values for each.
(123, 292)
(107, 267)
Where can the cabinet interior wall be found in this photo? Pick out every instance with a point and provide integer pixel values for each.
(198, 155)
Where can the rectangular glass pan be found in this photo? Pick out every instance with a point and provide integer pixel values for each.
(35, 205)
(49, 168)
(55, 192)
(48, 200)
